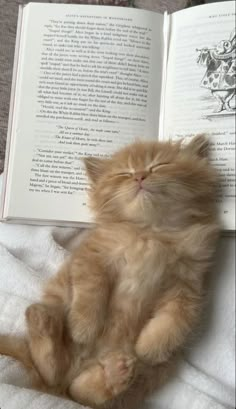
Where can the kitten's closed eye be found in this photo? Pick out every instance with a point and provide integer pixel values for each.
(153, 168)
(124, 174)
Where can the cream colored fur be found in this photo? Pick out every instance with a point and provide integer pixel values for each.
(113, 319)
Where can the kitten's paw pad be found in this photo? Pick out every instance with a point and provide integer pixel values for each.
(119, 372)
(41, 320)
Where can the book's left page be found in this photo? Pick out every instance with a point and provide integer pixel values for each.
(88, 81)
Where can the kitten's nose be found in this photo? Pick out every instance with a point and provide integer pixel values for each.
(140, 176)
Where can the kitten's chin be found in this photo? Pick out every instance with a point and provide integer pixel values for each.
(139, 209)
(142, 193)
(143, 190)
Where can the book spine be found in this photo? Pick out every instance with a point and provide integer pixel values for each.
(11, 109)
(166, 43)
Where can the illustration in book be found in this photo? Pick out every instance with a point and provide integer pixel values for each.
(220, 76)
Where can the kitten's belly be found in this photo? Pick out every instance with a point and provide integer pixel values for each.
(125, 320)
(138, 276)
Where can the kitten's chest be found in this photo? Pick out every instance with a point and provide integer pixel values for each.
(137, 267)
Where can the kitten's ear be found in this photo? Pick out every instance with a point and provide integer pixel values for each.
(199, 145)
(94, 167)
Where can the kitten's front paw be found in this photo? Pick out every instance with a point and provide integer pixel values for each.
(150, 350)
(43, 321)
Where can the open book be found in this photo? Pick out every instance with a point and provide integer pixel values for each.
(89, 79)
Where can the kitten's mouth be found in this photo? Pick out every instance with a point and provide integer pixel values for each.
(144, 189)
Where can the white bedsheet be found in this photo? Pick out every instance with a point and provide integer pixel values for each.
(206, 378)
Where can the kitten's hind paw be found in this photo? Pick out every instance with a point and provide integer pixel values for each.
(43, 320)
(104, 381)
(119, 372)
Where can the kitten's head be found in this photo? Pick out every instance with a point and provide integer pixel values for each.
(163, 184)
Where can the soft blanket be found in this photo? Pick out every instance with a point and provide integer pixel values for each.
(205, 380)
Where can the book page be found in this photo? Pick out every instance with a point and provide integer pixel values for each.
(200, 88)
(88, 82)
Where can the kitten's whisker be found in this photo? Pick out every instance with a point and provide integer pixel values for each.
(173, 182)
(109, 201)
(116, 196)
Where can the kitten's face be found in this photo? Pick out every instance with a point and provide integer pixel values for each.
(148, 182)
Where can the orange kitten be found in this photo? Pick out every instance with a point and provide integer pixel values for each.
(113, 318)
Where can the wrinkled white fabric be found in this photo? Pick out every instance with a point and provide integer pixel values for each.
(206, 378)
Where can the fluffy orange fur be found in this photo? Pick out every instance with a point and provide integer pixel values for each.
(114, 317)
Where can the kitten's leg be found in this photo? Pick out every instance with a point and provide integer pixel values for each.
(82, 288)
(104, 381)
(166, 331)
(46, 343)
(57, 291)
(90, 295)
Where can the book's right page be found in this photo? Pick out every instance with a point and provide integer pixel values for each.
(200, 88)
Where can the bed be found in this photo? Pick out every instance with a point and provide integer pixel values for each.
(206, 376)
